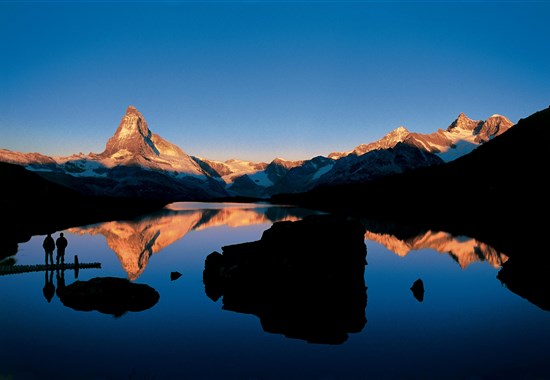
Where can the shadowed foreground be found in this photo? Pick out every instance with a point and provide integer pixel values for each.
(303, 279)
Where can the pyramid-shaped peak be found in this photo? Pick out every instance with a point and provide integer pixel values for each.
(132, 136)
(131, 110)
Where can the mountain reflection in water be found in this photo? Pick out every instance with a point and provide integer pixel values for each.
(135, 241)
(254, 324)
(462, 249)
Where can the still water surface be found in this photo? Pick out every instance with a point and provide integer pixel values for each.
(468, 326)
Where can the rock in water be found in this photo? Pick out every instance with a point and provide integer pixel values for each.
(303, 279)
(418, 290)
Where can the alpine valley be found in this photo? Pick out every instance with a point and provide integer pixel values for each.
(139, 164)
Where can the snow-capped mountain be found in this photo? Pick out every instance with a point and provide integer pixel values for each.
(396, 152)
(460, 138)
(137, 162)
(246, 178)
(134, 144)
(377, 163)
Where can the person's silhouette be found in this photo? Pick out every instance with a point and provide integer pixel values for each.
(61, 243)
(49, 287)
(49, 246)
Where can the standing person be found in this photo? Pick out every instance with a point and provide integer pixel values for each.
(61, 243)
(49, 246)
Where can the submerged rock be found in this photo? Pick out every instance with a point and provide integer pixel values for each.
(303, 279)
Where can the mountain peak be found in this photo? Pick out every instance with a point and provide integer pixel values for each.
(132, 136)
(131, 110)
(399, 131)
(134, 143)
(463, 123)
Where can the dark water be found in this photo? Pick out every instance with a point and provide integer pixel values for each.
(468, 325)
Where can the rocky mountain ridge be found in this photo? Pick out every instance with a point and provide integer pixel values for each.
(138, 163)
(460, 137)
(494, 194)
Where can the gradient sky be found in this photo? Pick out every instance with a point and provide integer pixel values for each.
(265, 79)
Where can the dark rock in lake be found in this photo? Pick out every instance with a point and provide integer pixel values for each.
(417, 289)
(303, 279)
(174, 275)
(108, 295)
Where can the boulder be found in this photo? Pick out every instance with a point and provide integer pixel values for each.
(303, 279)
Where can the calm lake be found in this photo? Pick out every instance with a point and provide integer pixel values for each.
(468, 325)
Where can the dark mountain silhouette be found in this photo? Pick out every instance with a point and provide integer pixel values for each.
(497, 193)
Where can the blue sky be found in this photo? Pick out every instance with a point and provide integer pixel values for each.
(265, 79)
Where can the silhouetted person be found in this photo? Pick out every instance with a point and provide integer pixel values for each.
(61, 243)
(49, 287)
(49, 247)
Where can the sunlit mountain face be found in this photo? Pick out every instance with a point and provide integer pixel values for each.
(463, 250)
(135, 241)
(139, 163)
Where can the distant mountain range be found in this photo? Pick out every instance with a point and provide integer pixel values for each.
(140, 164)
(497, 193)
(486, 180)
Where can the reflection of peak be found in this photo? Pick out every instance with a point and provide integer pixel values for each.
(464, 250)
(134, 242)
(239, 217)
